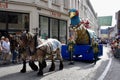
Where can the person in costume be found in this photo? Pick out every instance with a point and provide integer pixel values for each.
(95, 48)
(71, 44)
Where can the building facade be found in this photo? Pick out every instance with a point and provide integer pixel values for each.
(49, 17)
(117, 16)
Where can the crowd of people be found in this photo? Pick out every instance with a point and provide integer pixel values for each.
(115, 46)
(8, 50)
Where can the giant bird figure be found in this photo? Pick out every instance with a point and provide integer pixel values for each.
(74, 15)
(82, 35)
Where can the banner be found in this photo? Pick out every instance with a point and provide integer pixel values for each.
(105, 21)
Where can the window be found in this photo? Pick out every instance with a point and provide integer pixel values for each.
(12, 18)
(43, 27)
(44, 0)
(3, 0)
(13, 21)
(54, 1)
(54, 28)
(63, 31)
(2, 17)
(2, 20)
(18, 21)
(66, 5)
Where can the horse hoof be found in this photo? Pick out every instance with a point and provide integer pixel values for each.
(51, 69)
(40, 73)
(36, 69)
(33, 66)
(61, 67)
(44, 64)
(23, 71)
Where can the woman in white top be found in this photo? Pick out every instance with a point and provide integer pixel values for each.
(6, 50)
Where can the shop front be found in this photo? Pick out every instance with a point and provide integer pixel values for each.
(16, 17)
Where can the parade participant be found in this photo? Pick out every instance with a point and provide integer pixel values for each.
(95, 48)
(71, 44)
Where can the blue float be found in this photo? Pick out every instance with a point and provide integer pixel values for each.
(80, 52)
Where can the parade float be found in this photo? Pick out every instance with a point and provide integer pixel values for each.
(80, 40)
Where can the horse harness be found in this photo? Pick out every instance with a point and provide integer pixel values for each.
(48, 49)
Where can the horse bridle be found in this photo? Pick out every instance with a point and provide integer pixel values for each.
(24, 42)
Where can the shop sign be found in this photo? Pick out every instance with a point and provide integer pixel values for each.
(55, 14)
(3, 5)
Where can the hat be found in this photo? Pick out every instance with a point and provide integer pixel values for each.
(2, 37)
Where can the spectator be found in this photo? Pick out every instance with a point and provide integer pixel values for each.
(9, 51)
(0, 47)
(6, 50)
(0, 52)
(1, 42)
(0, 34)
(13, 47)
(118, 43)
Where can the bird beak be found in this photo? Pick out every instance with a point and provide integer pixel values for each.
(72, 14)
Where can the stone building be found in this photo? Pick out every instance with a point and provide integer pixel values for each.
(49, 17)
(117, 16)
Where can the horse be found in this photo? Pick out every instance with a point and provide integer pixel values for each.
(30, 48)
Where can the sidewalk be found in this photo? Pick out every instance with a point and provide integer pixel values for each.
(114, 71)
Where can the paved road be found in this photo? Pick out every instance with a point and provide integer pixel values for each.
(114, 70)
(78, 71)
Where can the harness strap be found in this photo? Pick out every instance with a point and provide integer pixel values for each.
(46, 51)
(50, 46)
